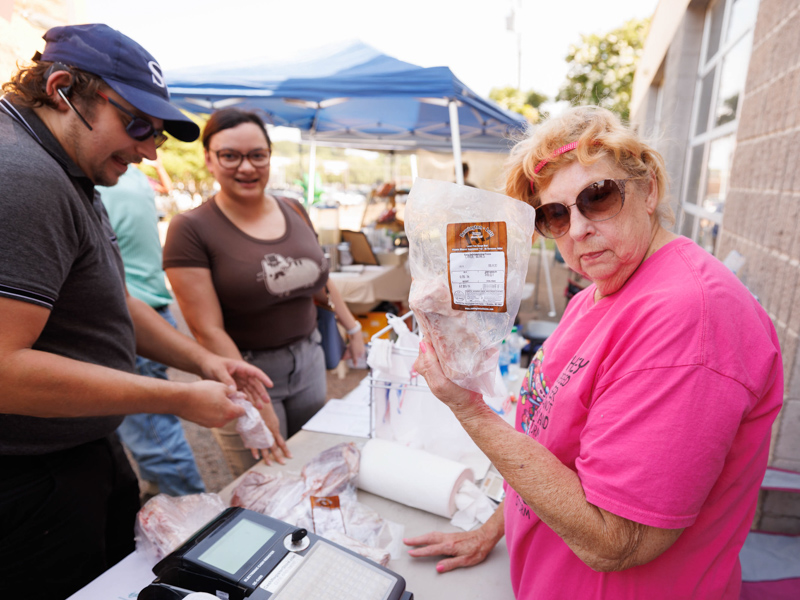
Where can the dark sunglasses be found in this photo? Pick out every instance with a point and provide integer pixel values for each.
(138, 128)
(599, 201)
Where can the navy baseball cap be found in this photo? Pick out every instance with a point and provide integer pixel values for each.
(124, 65)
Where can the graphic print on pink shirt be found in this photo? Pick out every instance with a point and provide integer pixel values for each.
(537, 398)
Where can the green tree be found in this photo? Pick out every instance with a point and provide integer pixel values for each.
(185, 162)
(525, 103)
(602, 67)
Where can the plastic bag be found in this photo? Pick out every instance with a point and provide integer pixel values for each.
(165, 522)
(330, 472)
(329, 475)
(251, 426)
(275, 494)
(468, 257)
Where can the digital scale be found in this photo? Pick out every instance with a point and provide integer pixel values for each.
(243, 554)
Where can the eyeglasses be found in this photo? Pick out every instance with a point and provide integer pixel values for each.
(138, 128)
(231, 159)
(600, 201)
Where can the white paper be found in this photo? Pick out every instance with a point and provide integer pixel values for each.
(341, 417)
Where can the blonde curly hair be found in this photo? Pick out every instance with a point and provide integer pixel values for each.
(599, 133)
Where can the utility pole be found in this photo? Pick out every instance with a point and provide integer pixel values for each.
(513, 24)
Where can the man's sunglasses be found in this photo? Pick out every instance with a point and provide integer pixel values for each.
(600, 201)
(138, 128)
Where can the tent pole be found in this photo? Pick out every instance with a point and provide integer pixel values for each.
(546, 263)
(456, 137)
(413, 168)
(312, 172)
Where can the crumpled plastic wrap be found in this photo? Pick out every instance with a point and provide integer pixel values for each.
(165, 522)
(251, 426)
(331, 473)
(275, 494)
(374, 554)
(466, 342)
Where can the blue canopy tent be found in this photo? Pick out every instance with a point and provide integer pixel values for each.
(353, 95)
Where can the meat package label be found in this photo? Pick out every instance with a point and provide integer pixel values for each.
(477, 266)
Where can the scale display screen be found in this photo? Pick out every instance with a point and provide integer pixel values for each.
(237, 546)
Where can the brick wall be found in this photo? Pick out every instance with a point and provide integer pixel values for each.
(762, 220)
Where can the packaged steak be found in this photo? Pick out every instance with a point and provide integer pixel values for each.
(468, 256)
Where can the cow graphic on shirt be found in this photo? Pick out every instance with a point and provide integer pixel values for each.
(283, 275)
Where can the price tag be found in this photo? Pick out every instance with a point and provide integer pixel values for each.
(477, 264)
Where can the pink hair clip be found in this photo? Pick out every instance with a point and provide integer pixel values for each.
(559, 152)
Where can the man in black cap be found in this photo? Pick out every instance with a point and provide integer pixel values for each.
(91, 104)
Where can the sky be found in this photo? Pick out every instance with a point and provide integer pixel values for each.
(469, 36)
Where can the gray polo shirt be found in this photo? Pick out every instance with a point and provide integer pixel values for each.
(58, 251)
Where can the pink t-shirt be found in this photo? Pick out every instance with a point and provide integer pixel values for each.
(661, 398)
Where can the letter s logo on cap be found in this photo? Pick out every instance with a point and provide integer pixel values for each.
(158, 78)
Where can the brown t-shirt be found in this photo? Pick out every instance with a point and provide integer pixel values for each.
(265, 287)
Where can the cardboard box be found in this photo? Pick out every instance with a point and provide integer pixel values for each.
(393, 258)
(372, 323)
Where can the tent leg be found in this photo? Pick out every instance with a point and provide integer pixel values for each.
(413, 168)
(456, 136)
(312, 172)
(548, 280)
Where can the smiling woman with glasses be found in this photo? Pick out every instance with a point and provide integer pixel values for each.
(245, 267)
(643, 423)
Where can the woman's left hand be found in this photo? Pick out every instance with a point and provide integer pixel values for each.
(279, 450)
(356, 350)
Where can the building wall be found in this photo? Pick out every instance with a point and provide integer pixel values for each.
(669, 129)
(761, 219)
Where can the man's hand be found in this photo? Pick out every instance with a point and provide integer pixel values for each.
(208, 403)
(244, 376)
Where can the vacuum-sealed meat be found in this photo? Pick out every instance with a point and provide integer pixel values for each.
(274, 494)
(165, 522)
(330, 472)
(251, 426)
(323, 500)
(468, 256)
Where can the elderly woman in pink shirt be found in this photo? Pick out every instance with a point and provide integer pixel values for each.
(643, 426)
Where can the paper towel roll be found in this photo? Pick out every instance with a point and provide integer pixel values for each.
(412, 477)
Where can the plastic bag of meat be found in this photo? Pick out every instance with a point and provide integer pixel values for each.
(304, 502)
(468, 255)
(165, 522)
(252, 428)
(332, 471)
(276, 494)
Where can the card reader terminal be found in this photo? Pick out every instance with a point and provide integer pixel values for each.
(243, 554)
